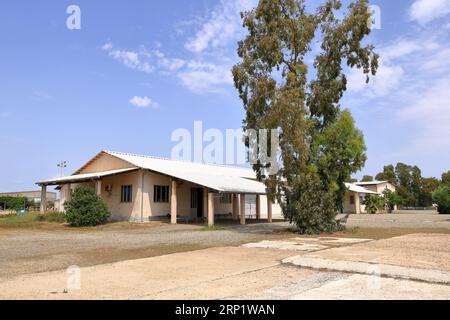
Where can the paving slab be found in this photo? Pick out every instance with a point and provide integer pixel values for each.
(423, 251)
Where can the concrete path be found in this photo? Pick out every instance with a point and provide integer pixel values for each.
(338, 269)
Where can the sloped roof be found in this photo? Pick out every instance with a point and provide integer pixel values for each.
(84, 177)
(355, 188)
(220, 178)
(370, 183)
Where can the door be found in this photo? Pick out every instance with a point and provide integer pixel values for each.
(199, 202)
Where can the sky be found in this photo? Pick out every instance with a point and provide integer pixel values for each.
(136, 71)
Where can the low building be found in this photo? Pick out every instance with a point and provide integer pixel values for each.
(142, 188)
(30, 195)
(356, 193)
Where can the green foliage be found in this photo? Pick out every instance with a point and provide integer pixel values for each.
(374, 203)
(367, 179)
(392, 199)
(442, 198)
(15, 203)
(86, 208)
(414, 190)
(319, 145)
(428, 186)
(446, 178)
(388, 174)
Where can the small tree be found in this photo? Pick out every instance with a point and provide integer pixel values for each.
(374, 203)
(86, 208)
(442, 198)
(367, 179)
(392, 199)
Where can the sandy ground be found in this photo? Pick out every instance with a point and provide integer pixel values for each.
(248, 273)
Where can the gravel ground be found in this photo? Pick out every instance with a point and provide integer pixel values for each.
(31, 251)
(25, 251)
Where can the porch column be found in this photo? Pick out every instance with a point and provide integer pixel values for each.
(98, 187)
(43, 198)
(205, 203)
(357, 204)
(173, 203)
(235, 206)
(242, 209)
(210, 209)
(269, 210)
(258, 207)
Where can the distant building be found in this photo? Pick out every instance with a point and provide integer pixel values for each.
(357, 192)
(30, 195)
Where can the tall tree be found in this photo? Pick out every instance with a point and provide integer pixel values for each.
(274, 85)
(388, 174)
(367, 179)
(446, 178)
(428, 186)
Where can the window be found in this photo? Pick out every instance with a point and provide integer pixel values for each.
(161, 194)
(352, 199)
(225, 198)
(194, 198)
(126, 194)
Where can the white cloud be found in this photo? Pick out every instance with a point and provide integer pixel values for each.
(388, 78)
(223, 25)
(131, 59)
(429, 113)
(425, 11)
(205, 77)
(39, 95)
(143, 102)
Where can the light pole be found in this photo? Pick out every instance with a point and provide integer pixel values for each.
(62, 165)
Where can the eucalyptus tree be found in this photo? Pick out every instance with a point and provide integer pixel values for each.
(319, 144)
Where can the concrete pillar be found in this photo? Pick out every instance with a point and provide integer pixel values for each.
(242, 208)
(43, 199)
(269, 210)
(173, 203)
(210, 209)
(98, 187)
(141, 191)
(357, 204)
(205, 203)
(258, 207)
(235, 206)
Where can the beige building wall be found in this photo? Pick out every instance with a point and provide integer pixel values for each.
(105, 162)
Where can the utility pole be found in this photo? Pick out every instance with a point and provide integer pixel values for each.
(62, 165)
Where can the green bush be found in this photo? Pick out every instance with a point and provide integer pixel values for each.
(86, 209)
(442, 198)
(374, 203)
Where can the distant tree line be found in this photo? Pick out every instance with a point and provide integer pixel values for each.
(15, 203)
(413, 189)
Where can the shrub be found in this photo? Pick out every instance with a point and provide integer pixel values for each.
(374, 203)
(442, 198)
(86, 209)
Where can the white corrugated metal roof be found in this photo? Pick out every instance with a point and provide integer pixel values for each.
(370, 183)
(217, 177)
(83, 177)
(355, 188)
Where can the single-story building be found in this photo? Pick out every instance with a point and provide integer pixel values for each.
(356, 193)
(141, 188)
(30, 195)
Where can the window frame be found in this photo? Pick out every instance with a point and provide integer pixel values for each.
(126, 193)
(161, 194)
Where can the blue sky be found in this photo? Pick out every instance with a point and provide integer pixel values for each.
(138, 70)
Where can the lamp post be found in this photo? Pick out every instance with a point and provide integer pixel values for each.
(62, 165)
